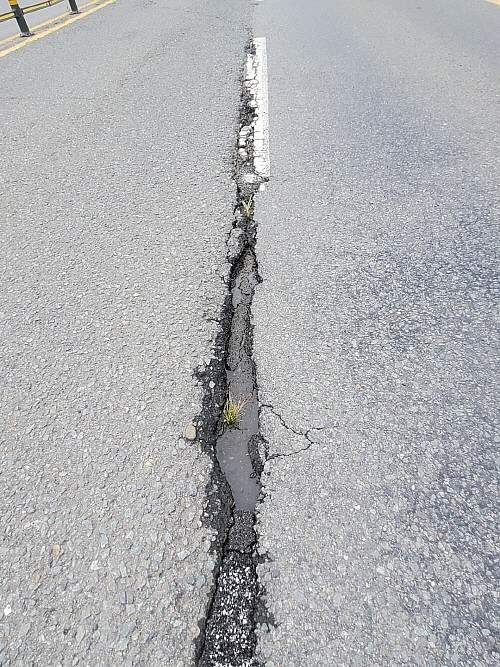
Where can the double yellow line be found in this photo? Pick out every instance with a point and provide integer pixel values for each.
(54, 24)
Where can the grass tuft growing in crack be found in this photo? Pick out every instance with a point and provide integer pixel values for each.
(247, 207)
(233, 410)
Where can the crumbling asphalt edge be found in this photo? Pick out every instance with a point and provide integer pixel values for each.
(235, 605)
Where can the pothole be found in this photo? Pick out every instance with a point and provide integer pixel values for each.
(232, 445)
(229, 630)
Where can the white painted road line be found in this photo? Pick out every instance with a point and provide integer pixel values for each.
(261, 131)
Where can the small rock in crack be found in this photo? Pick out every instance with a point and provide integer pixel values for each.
(190, 431)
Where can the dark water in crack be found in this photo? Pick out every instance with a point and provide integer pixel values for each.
(232, 444)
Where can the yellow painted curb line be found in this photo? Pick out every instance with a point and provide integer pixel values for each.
(71, 19)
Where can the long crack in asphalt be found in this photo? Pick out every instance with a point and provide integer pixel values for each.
(227, 636)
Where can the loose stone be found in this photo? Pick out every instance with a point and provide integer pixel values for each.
(190, 431)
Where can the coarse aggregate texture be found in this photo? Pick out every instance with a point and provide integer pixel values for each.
(375, 334)
(230, 638)
(118, 139)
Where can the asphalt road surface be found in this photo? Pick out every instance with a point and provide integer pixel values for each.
(376, 333)
(117, 143)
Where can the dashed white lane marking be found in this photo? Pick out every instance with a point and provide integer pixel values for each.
(261, 132)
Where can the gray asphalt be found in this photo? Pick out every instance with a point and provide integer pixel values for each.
(118, 138)
(376, 333)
